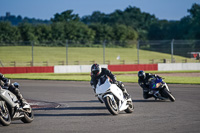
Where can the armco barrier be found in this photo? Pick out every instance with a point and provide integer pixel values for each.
(178, 66)
(74, 68)
(39, 69)
(145, 67)
(86, 68)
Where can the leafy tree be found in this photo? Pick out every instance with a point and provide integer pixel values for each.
(195, 21)
(57, 31)
(129, 24)
(123, 33)
(17, 20)
(27, 32)
(65, 16)
(195, 12)
(164, 30)
(155, 32)
(78, 31)
(131, 34)
(8, 33)
(103, 32)
(96, 17)
(43, 32)
(131, 16)
(184, 27)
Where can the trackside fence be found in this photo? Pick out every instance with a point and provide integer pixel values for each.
(71, 52)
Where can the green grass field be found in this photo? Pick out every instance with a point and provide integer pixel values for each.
(53, 55)
(23, 54)
(122, 76)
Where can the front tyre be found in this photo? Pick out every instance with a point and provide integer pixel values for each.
(169, 95)
(111, 105)
(130, 108)
(28, 116)
(5, 118)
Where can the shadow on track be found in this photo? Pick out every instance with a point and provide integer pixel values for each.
(149, 101)
(73, 114)
(91, 101)
(72, 108)
(70, 114)
(86, 108)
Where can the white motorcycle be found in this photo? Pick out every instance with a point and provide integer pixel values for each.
(113, 97)
(10, 109)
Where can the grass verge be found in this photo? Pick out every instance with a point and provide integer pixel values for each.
(122, 76)
(82, 55)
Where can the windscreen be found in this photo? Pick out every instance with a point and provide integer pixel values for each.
(152, 82)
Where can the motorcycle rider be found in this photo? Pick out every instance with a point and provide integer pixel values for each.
(97, 71)
(14, 88)
(144, 81)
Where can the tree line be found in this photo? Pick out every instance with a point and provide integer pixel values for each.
(120, 26)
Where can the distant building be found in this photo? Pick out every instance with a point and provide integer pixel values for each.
(16, 20)
(7, 14)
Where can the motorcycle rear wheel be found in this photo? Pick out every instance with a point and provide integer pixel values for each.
(130, 108)
(5, 118)
(111, 105)
(28, 117)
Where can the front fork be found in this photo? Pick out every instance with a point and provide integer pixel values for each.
(166, 86)
(157, 94)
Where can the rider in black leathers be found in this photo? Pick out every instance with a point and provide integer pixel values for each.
(14, 88)
(144, 80)
(97, 72)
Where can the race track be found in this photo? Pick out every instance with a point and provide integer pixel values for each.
(71, 106)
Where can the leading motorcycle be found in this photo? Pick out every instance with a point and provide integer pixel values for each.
(10, 109)
(113, 97)
(160, 90)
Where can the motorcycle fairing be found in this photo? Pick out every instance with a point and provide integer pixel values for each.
(115, 90)
(9, 97)
(102, 88)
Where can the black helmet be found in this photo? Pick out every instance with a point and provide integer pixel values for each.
(96, 69)
(1, 76)
(141, 74)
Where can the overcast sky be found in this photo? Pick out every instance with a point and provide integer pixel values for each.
(45, 9)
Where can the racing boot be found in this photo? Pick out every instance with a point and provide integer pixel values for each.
(23, 102)
(14, 88)
(126, 95)
(121, 86)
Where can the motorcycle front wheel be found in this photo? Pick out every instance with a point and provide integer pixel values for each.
(28, 116)
(5, 118)
(169, 95)
(111, 105)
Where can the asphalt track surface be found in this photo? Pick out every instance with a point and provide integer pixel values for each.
(71, 107)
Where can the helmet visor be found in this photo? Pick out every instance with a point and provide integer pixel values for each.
(95, 72)
(141, 75)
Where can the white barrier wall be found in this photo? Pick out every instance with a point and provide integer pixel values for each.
(178, 66)
(74, 68)
(161, 67)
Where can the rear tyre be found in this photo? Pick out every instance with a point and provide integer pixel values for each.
(111, 105)
(130, 108)
(5, 118)
(28, 117)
